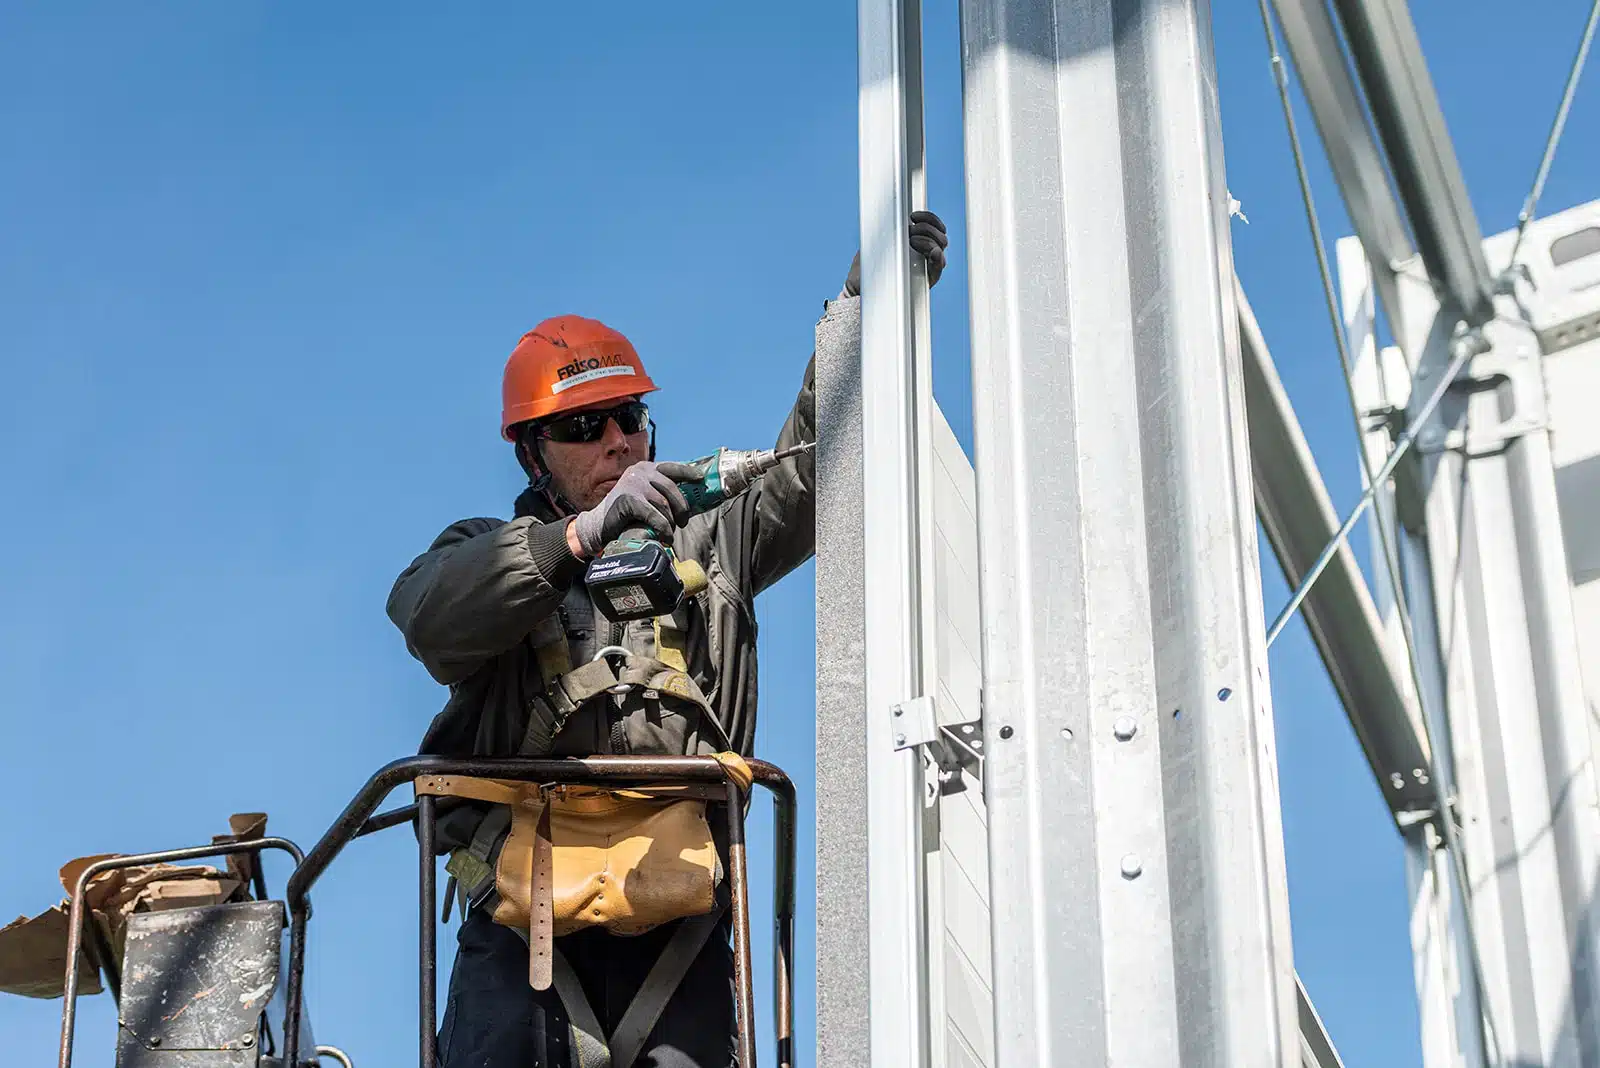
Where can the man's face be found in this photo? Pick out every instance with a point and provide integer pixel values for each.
(584, 471)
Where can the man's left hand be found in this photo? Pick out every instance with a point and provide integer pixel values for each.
(928, 238)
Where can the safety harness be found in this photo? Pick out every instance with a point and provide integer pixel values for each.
(472, 868)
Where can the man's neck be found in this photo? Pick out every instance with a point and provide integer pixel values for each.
(537, 503)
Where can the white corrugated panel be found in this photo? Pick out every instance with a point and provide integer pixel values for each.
(963, 862)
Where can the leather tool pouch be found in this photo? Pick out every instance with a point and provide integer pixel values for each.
(577, 856)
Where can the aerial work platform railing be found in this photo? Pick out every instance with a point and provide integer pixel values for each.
(168, 939)
(612, 772)
(223, 962)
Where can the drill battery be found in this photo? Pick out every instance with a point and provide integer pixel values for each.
(635, 579)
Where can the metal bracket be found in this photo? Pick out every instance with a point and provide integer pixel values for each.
(1411, 817)
(1508, 363)
(915, 723)
(965, 744)
(1480, 442)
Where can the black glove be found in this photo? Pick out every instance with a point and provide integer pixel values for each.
(928, 237)
(646, 495)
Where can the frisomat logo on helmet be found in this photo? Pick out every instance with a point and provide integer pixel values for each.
(588, 368)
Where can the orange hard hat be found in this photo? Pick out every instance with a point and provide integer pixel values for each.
(564, 363)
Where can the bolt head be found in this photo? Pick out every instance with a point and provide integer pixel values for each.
(1132, 866)
(1125, 728)
(154, 1040)
(1006, 732)
(247, 1040)
(899, 739)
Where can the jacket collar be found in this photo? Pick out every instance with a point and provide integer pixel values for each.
(535, 503)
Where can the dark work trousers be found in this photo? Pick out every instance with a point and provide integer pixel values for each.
(494, 1019)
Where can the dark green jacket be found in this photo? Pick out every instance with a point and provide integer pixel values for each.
(469, 605)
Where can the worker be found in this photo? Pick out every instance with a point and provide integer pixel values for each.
(473, 607)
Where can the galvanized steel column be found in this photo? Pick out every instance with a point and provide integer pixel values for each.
(1140, 912)
(1443, 966)
(895, 532)
(1518, 720)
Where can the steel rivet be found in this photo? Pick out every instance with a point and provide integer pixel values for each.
(1006, 732)
(1131, 868)
(898, 710)
(1224, 693)
(1125, 728)
(155, 1040)
(899, 739)
(248, 1040)
(1066, 732)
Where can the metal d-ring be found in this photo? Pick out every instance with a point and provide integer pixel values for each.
(614, 650)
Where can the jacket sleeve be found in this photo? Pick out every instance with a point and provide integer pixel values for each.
(479, 590)
(776, 520)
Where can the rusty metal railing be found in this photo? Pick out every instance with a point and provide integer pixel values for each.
(78, 917)
(358, 819)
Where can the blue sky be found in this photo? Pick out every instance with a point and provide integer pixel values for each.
(260, 269)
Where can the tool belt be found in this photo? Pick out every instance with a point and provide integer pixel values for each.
(576, 857)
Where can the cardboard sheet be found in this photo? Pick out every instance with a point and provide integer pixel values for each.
(33, 950)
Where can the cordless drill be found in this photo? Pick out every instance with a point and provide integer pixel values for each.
(636, 575)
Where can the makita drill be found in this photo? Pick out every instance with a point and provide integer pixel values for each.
(636, 575)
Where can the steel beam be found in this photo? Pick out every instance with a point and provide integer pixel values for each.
(1316, 1048)
(896, 481)
(1138, 893)
(1298, 517)
(1388, 59)
(1347, 139)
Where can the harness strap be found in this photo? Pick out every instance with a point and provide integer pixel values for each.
(590, 1048)
(671, 646)
(659, 986)
(588, 1044)
(550, 647)
(549, 711)
(472, 867)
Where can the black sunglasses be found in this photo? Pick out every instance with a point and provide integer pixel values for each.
(632, 418)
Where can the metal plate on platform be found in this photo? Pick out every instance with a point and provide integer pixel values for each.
(195, 982)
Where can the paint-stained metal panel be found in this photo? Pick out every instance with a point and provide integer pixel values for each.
(195, 983)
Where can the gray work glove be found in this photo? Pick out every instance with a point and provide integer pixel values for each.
(646, 495)
(928, 238)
